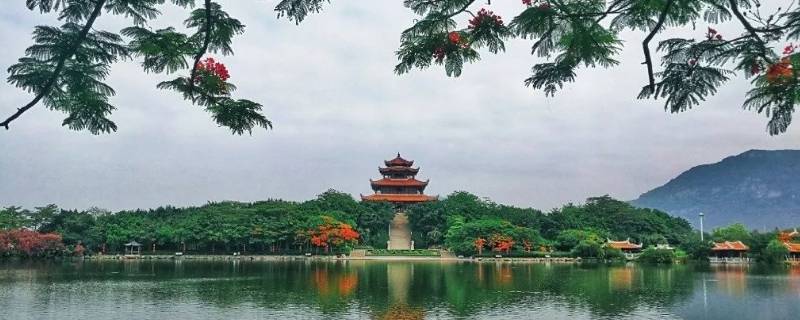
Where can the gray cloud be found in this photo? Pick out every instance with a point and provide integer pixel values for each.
(339, 111)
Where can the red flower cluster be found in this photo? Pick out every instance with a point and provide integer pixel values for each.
(483, 17)
(210, 67)
(454, 37)
(479, 243)
(780, 71)
(502, 243)
(713, 34)
(789, 49)
(527, 2)
(29, 243)
(332, 233)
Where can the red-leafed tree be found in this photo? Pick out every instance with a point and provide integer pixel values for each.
(502, 243)
(27, 243)
(479, 243)
(332, 233)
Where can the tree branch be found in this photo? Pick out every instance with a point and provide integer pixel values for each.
(648, 60)
(60, 65)
(203, 50)
(753, 32)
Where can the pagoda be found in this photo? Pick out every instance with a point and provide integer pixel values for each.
(399, 184)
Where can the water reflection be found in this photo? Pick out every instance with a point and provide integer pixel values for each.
(395, 290)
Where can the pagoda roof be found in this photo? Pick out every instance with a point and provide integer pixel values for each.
(623, 245)
(398, 169)
(730, 246)
(403, 198)
(793, 247)
(399, 162)
(387, 182)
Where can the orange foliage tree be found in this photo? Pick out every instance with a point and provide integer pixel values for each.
(479, 243)
(501, 243)
(27, 243)
(332, 233)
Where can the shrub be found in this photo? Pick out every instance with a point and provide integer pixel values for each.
(653, 255)
(589, 249)
(613, 253)
(774, 253)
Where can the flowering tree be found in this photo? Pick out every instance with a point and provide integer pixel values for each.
(479, 243)
(23, 242)
(572, 34)
(502, 243)
(66, 67)
(332, 233)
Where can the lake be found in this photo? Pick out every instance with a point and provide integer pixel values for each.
(128, 290)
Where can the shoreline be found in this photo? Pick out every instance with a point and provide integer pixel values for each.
(330, 258)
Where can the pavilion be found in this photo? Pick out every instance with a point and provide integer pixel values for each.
(630, 249)
(131, 246)
(729, 252)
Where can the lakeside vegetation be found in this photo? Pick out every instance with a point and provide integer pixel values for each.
(334, 222)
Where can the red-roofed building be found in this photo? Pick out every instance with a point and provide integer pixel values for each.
(626, 246)
(400, 187)
(729, 252)
(399, 184)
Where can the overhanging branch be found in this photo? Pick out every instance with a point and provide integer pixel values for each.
(206, 42)
(648, 60)
(60, 65)
(750, 29)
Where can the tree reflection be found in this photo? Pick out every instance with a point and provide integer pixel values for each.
(405, 290)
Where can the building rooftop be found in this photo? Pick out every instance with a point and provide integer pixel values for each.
(793, 247)
(398, 162)
(623, 245)
(730, 246)
(398, 169)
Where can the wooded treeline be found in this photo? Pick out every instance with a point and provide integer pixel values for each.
(283, 226)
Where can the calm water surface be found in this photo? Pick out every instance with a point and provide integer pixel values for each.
(128, 290)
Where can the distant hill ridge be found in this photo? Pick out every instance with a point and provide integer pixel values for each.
(760, 188)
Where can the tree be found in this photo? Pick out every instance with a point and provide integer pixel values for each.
(67, 65)
(589, 249)
(13, 218)
(43, 215)
(655, 255)
(572, 34)
(775, 252)
(568, 239)
(734, 232)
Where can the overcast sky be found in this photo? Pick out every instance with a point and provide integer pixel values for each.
(339, 110)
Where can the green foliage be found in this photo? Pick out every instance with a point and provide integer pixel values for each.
(589, 249)
(461, 237)
(734, 232)
(775, 252)
(613, 253)
(14, 218)
(616, 220)
(696, 249)
(569, 239)
(654, 255)
(67, 66)
(568, 33)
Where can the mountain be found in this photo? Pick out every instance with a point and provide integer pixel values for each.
(759, 188)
